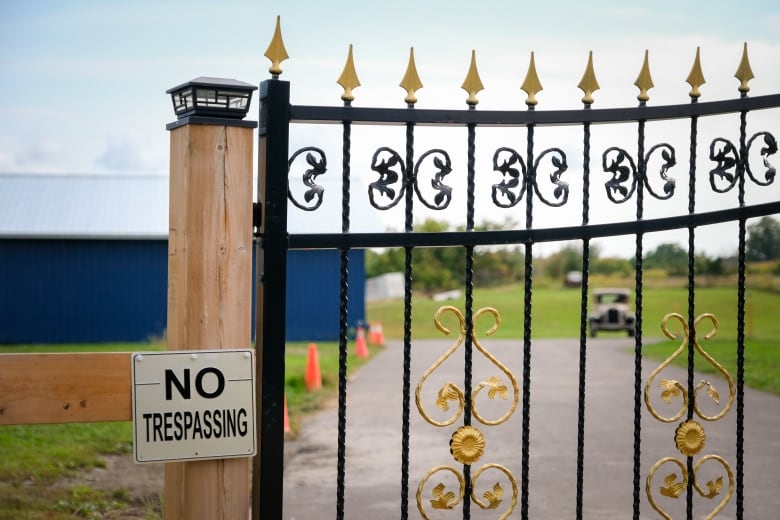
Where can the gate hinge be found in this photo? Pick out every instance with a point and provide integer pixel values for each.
(257, 215)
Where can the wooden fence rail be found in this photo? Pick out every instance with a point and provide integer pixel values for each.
(65, 388)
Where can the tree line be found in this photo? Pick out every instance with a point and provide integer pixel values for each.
(443, 268)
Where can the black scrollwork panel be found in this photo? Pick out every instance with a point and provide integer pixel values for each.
(317, 162)
(769, 148)
(729, 165)
(724, 176)
(511, 189)
(557, 160)
(668, 160)
(388, 164)
(621, 165)
(625, 174)
(442, 167)
(391, 184)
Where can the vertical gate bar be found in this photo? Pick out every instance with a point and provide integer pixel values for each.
(343, 319)
(691, 295)
(527, 293)
(407, 368)
(741, 166)
(271, 258)
(583, 317)
(469, 303)
(342, 399)
(638, 288)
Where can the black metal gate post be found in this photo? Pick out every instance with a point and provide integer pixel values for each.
(271, 254)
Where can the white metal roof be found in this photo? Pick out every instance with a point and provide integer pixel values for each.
(127, 206)
(83, 206)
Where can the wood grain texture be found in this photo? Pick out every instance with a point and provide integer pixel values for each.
(65, 388)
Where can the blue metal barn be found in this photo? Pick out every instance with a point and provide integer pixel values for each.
(84, 258)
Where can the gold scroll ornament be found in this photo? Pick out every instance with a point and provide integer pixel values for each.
(689, 437)
(467, 444)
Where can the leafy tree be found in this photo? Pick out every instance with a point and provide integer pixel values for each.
(561, 262)
(442, 268)
(707, 265)
(496, 267)
(763, 241)
(386, 261)
(609, 266)
(670, 257)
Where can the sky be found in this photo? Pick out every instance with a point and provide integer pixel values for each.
(83, 82)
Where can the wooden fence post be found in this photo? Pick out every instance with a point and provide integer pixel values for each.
(209, 288)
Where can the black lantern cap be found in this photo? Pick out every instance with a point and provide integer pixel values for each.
(211, 98)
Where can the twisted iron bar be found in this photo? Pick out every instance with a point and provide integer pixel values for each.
(343, 323)
(527, 307)
(691, 298)
(407, 363)
(742, 260)
(638, 285)
(583, 320)
(469, 304)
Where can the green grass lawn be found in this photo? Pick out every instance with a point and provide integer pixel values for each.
(556, 312)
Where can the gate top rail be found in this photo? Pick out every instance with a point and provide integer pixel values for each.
(435, 117)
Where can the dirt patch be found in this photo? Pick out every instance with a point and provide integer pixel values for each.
(142, 484)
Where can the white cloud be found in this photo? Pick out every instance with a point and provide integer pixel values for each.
(131, 154)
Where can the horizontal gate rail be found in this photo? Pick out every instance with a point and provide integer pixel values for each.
(423, 117)
(519, 236)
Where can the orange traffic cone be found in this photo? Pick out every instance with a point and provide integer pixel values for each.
(286, 416)
(378, 335)
(313, 378)
(372, 334)
(361, 348)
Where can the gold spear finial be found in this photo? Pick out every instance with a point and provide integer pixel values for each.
(472, 84)
(696, 77)
(349, 79)
(644, 81)
(531, 85)
(276, 51)
(588, 84)
(411, 80)
(744, 72)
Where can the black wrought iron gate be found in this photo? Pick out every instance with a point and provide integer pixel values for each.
(528, 179)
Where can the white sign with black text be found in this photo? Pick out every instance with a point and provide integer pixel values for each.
(193, 405)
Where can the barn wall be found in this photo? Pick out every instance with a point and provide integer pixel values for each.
(313, 294)
(86, 291)
(74, 291)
